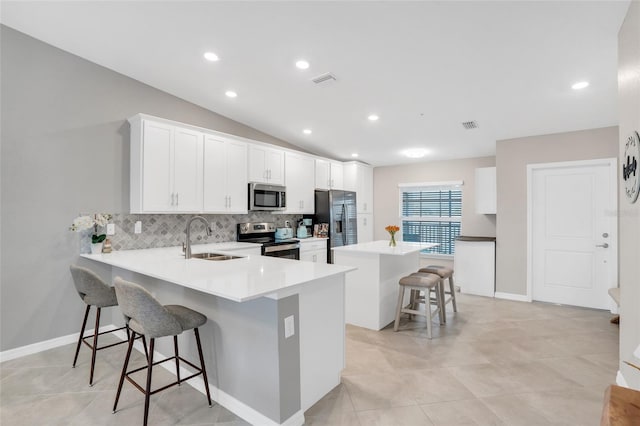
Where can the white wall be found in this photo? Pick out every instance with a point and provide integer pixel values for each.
(629, 216)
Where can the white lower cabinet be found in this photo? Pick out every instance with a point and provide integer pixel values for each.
(314, 250)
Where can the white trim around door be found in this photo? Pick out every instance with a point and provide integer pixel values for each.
(611, 163)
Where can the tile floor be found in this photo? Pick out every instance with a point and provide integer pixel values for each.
(496, 362)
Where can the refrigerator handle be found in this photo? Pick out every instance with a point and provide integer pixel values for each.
(345, 221)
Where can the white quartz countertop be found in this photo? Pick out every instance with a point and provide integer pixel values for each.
(382, 247)
(246, 278)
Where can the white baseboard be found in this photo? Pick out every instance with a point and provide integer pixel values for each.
(48, 344)
(511, 296)
(232, 404)
(620, 381)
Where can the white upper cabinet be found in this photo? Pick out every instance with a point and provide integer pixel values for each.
(299, 180)
(329, 174)
(225, 175)
(486, 191)
(358, 177)
(166, 168)
(266, 165)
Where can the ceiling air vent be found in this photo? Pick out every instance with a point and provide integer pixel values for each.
(470, 125)
(323, 78)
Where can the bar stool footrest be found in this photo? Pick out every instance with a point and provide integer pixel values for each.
(177, 382)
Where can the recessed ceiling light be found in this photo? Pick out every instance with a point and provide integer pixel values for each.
(307, 131)
(210, 56)
(580, 85)
(373, 117)
(231, 94)
(302, 64)
(354, 155)
(415, 153)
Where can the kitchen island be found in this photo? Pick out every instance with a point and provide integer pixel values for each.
(371, 292)
(274, 340)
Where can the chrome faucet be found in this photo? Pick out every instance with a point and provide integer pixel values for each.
(187, 246)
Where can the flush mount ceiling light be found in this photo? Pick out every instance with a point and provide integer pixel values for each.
(307, 131)
(354, 155)
(415, 153)
(231, 94)
(210, 56)
(302, 64)
(580, 85)
(373, 117)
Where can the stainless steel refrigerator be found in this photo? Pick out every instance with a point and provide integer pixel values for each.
(338, 209)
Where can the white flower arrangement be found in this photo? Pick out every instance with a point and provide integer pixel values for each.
(85, 222)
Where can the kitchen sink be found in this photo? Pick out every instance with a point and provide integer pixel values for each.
(214, 256)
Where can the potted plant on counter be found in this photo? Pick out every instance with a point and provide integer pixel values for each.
(84, 222)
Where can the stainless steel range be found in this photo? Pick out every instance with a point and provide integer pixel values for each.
(265, 233)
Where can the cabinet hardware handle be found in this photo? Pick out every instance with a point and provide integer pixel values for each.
(315, 257)
(605, 245)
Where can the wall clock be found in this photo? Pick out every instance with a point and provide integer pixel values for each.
(630, 172)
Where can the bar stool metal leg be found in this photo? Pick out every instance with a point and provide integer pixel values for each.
(95, 346)
(204, 371)
(84, 324)
(147, 394)
(132, 338)
(175, 349)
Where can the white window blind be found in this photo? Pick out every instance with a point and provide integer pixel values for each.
(431, 213)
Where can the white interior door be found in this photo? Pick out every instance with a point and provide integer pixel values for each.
(573, 232)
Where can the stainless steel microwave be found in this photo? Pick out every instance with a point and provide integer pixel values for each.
(267, 197)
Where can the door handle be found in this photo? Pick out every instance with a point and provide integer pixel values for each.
(605, 245)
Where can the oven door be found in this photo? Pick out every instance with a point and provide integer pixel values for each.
(285, 251)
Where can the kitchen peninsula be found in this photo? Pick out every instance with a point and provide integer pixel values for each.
(274, 340)
(371, 291)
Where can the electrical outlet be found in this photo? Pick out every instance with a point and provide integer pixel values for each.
(289, 327)
(111, 229)
(137, 228)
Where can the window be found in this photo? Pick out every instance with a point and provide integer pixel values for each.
(431, 213)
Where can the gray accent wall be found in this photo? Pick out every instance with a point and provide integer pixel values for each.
(65, 150)
(512, 158)
(629, 217)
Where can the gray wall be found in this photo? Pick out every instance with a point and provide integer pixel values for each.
(629, 217)
(65, 150)
(512, 157)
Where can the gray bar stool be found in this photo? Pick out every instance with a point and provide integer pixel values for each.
(94, 292)
(419, 282)
(147, 317)
(444, 273)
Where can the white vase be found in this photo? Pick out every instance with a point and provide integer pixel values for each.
(96, 248)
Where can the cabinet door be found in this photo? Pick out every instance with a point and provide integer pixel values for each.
(365, 189)
(299, 180)
(237, 187)
(337, 176)
(257, 162)
(157, 167)
(187, 177)
(365, 228)
(323, 171)
(275, 166)
(486, 190)
(215, 175)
